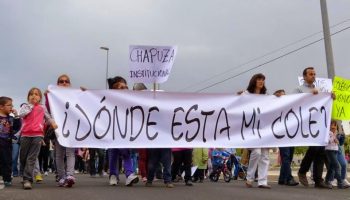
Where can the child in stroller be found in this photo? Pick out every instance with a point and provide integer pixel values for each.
(220, 157)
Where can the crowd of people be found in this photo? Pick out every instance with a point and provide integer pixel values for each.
(29, 149)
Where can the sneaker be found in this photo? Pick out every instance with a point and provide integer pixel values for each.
(113, 180)
(169, 185)
(2, 186)
(144, 179)
(346, 182)
(46, 173)
(132, 178)
(303, 179)
(70, 181)
(329, 185)
(61, 182)
(188, 183)
(334, 183)
(27, 185)
(76, 172)
(292, 182)
(38, 178)
(7, 183)
(322, 185)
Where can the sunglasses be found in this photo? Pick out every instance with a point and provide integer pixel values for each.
(63, 81)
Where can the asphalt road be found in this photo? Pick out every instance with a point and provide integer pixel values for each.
(87, 188)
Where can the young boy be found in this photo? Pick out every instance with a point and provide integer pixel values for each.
(8, 126)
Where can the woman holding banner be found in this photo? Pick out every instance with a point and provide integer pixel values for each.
(259, 157)
(65, 174)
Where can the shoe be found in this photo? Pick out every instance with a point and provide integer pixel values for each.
(200, 180)
(321, 185)
(248, 184)
(46, 173)
(292, 182)
(7, 183)
(38, 178)
(264, 186)
(343, 186)
(188, 183)
(281, 183)
(235, 177)
(144, 179)
(346, 182)
(2, 186)
(148, 184)
(61, 182)
(329, 185)
(27, 185)
(113, 180)
(169, 185)
(132, 178)
(76, 172)
(334, 183)
(70, 181)
(303, 179)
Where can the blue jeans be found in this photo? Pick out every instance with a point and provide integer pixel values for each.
(154, 157)
(286, 154)
(15, 153)
(333, 168)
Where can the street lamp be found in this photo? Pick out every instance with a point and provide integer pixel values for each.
(107, 49)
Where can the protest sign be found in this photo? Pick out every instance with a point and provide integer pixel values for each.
(151, 64)
(341, 104)
(324, 84)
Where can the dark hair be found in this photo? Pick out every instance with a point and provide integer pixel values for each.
(117, 79)
(252, 83)
(305, 70)
(4, 100)
(31, 91)
(279, 91)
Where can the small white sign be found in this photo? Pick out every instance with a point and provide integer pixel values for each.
(324, 84)
(151, 64)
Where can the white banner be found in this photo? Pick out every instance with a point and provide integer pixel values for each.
(144, 119)
(324, 84)
(151, 64)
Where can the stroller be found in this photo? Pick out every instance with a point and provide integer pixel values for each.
(221, 167)
(240, 170)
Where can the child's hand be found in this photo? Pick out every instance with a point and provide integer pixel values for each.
(42, 143)
(54, 125)
(14, 111)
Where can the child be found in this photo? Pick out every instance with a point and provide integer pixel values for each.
(200, 159)
(33, 115)
(8, 126)
(331, 153)
(119, 83)
(218, 155)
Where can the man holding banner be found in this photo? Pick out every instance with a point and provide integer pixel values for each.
(314, 154)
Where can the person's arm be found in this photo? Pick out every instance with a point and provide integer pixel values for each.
(49, 118)
(25, 110)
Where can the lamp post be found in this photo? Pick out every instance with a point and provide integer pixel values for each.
(106, 49)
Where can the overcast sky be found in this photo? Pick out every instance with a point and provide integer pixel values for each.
(41, 39)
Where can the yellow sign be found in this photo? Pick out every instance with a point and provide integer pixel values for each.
(341, 104)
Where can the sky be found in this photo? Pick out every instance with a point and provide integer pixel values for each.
(216, 40)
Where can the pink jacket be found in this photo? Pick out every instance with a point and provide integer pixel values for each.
(34, 117)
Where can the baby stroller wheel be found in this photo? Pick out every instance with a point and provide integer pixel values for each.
(227, 176)
(214, 177)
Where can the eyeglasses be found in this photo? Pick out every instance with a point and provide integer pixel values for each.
(63, 81)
